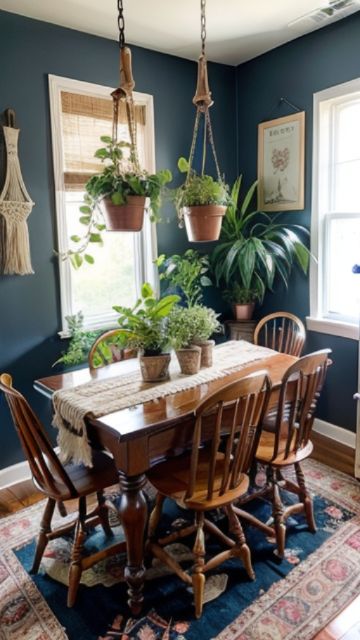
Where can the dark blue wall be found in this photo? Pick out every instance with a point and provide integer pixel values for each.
(296, 71)
(29, 51)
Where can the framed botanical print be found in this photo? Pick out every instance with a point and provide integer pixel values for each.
(281, 163)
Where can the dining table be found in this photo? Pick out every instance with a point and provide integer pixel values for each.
(148, 432)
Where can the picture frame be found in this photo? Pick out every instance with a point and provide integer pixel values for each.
(281, 149)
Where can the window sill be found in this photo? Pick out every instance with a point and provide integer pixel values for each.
(333, 327)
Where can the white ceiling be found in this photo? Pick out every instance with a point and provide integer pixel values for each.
(237, 30)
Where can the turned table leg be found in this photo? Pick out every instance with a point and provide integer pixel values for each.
(133, 514)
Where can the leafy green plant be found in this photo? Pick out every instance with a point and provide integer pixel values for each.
(186, 272)
(255, 247)
(237, 294)
(119, 179)
(144, 325)
(80, 341)
(188, 325)
(198, 190)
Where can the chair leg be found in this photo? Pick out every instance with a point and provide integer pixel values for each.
(104, 514)
(278, 515)
(305, 498)
(155, 516)
(198, 578)
(75, 569)
(241, 550)
(45, 528)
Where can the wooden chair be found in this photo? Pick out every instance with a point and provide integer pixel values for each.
(61, 483)
(282, 332)
(108, 348)
(212, 475)
(290, 442)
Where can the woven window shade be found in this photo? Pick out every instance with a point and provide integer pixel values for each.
(84, 120)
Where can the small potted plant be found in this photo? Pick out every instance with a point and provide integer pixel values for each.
(255, 247)
(242, 300)
(144, 328)
(201, 204)
(117, 196)
(204, 323)
(181, 334)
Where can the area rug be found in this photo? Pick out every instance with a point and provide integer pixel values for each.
(288, 600)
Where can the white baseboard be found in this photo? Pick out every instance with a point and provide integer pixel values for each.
(339, 434)
(14, 474)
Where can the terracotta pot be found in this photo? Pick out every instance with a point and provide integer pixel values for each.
(189, 359)
(203, 223)
(243, 311)
(124, 217)
(207, 348)
(155, 368)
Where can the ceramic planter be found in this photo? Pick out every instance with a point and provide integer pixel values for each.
(207, 348)
(155, 368)
(243, 311)
(189, 359)
(124, 217)
(203, 223)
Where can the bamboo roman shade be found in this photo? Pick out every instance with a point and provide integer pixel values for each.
(84, 120)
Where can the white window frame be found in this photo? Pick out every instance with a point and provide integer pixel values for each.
(317, 320)
(145, 241)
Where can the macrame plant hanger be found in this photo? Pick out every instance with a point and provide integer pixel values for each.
(128, 216)
(200, 228)
(15, 207)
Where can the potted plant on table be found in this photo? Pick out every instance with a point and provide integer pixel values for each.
(254, 248)
(118, 195)
(144, 327)
(201, 204)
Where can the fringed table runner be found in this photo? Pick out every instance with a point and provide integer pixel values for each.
(98, 398)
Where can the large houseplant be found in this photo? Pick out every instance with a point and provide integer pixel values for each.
(254, 248)
(117, 196)
(200, 203)
(144, 327)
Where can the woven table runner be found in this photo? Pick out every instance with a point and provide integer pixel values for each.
(100, 397)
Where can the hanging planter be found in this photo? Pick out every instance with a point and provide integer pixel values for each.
(201, 202)
(126, 217)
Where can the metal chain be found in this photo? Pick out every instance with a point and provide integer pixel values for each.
(121, 24)
(203, 26)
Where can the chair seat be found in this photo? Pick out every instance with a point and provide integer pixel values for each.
(171, 479)
(88, 480)
(265, 450)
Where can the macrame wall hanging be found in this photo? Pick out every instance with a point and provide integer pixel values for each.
(15, 207)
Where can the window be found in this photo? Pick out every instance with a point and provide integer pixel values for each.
(335, 232)
(80, 114)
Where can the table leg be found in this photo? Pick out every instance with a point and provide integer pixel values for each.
(133, 512)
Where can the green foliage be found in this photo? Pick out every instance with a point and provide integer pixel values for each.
(238, 295)
(80, 341)
(187, 272)
(187, 325)
(198, 190)
(119, 179)
(144, 325)
(255, 247)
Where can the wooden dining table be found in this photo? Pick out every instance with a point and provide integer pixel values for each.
(138, 437)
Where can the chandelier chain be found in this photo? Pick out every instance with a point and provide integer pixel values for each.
(121, 24)
(203, 26)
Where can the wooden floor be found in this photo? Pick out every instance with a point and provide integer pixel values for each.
(346, 626)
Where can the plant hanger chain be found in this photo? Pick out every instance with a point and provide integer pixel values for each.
(124, 92)
(203, 101)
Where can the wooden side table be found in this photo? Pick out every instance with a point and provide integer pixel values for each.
(241, 329)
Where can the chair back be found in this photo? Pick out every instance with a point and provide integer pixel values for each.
(47, 470)
(230, 419)
(282, 332)
(108, 348)
(300, 390)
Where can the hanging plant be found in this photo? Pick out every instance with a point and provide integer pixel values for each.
(202, 200)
